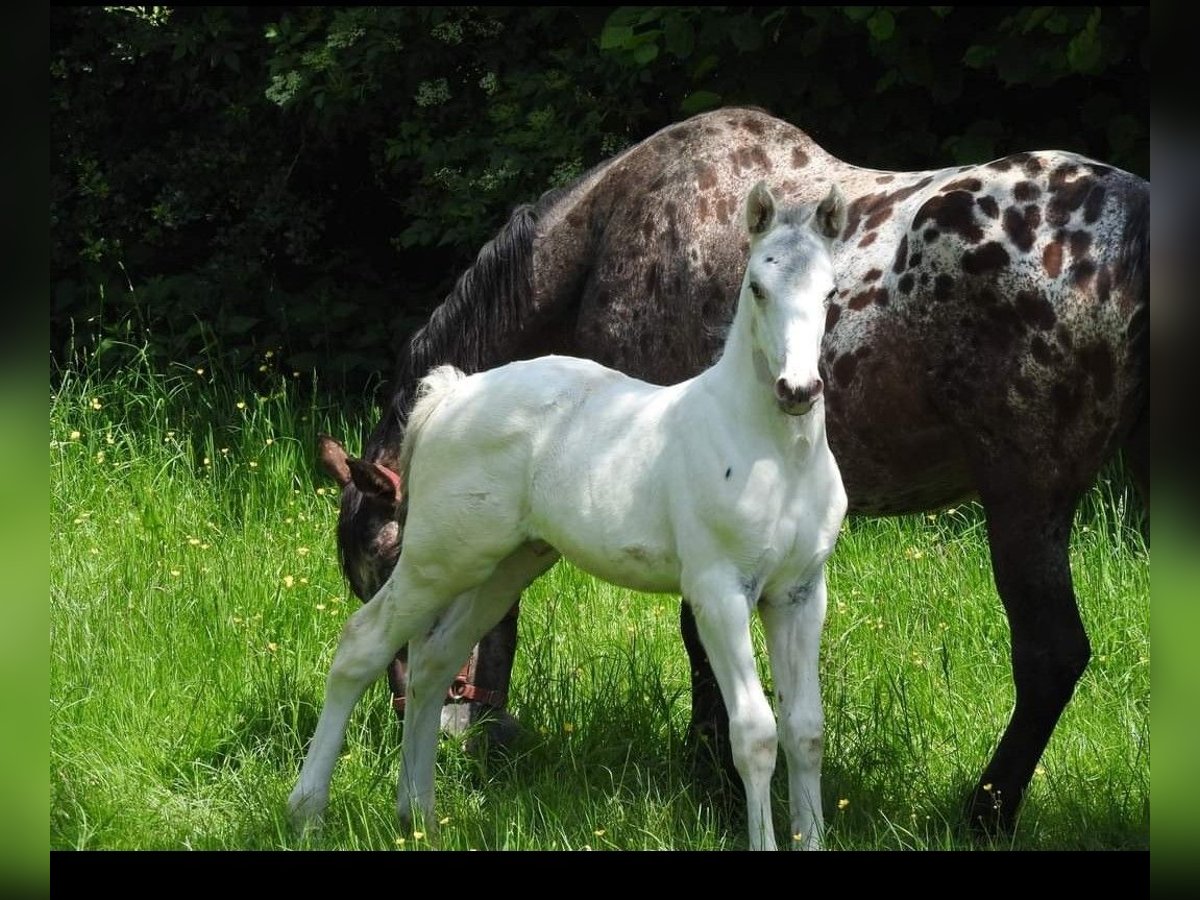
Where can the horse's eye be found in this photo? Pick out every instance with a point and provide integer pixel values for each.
(756, 290)
(830, 295)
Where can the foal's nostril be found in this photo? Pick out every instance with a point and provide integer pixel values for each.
(789, 393)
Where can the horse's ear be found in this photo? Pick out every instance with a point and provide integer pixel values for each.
(830, 217)
(375, 481)
(332, 456)
(760, 209)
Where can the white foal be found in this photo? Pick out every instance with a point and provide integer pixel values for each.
(722, 488)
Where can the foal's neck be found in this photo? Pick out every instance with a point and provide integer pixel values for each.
(748, 394)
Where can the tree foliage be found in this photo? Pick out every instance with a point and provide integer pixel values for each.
(311, 180)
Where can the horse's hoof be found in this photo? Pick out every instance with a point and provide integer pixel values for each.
(498, 731)
(988, 816)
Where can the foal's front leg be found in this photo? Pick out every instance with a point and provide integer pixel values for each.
(793, 623)
(722, 612)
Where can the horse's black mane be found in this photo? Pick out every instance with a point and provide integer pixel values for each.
(491, 298)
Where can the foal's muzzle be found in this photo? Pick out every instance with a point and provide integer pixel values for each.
(798, 400)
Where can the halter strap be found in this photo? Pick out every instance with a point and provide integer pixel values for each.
(462, 690)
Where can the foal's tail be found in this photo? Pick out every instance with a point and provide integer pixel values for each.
(432, 390)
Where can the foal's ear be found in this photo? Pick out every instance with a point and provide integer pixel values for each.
(760, 209)
(830, 217)
(375, 481)
(332, 457)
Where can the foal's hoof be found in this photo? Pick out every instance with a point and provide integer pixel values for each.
(306, 812)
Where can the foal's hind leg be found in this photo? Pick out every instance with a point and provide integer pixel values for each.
(1029, 532)
(434, 658)
(368, 643)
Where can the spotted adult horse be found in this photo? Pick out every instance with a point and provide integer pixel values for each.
(989, 336)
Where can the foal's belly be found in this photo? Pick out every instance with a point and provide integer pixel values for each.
(639, 566)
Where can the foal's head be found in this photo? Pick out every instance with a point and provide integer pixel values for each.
(788, 282)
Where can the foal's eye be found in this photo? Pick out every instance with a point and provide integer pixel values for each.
(756, 290)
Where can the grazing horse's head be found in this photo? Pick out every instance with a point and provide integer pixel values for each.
(788, 282)
(369, 527)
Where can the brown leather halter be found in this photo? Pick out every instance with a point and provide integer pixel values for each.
(463, 690)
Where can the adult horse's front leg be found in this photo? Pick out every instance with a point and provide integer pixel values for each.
(793, 624)
(709, 726)
(1029, 535)
(722, 612)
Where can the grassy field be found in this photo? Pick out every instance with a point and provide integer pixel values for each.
(196, 601)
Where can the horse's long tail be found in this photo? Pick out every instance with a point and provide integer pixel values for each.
(432, 391)
(1133, 271)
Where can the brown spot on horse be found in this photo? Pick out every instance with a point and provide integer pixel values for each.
(953, 212)
(754, 126)
(832, 315)
(988, 258)
(898, 264)
(759, 156)
(1024, 191)
(1036, 310)
(844, 368)
(1097, 361)
(1041, 350)
(1021, 228)
(863, 299)
(971, 185)
(799, 158)
(1082, 272)
(1052, 258)
(1094, 205)
(1080, 242)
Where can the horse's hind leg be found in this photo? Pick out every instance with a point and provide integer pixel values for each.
(1029, 533)
(367, 645)
(434, 658)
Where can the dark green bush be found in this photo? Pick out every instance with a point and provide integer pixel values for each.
(229, 180)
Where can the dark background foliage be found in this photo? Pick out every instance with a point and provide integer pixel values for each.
(227, 181)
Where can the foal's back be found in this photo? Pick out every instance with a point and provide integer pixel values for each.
(560, 450)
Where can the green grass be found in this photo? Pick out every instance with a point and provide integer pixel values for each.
(196, 602)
